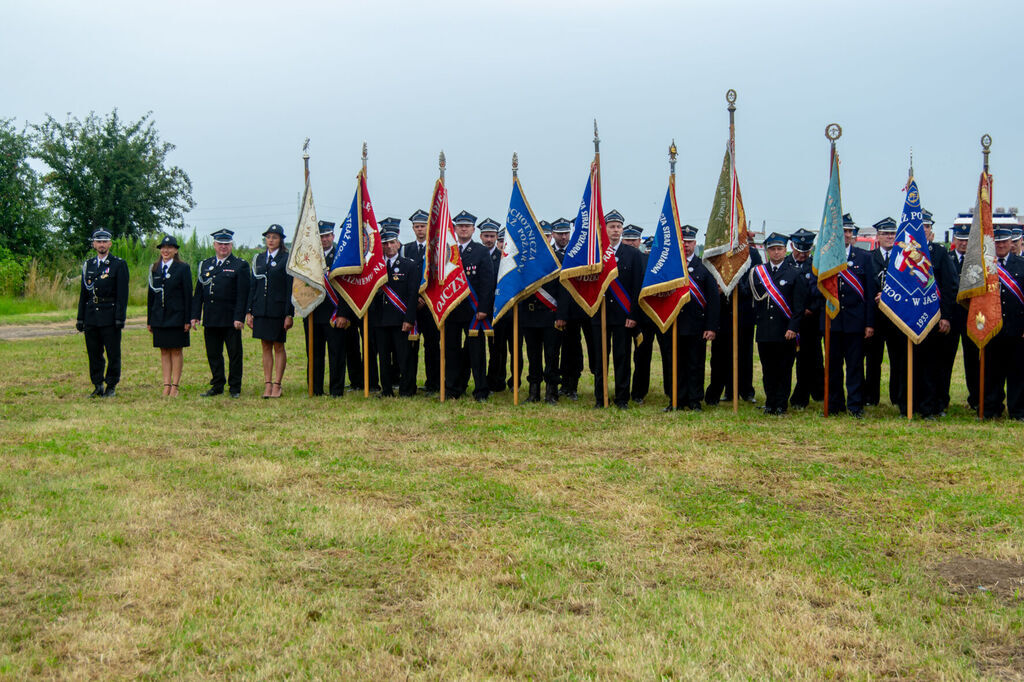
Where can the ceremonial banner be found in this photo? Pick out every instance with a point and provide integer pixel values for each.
(726, 252)
(359, 289)
(910, 296)
(979, 278)
(589, 263)
(350, 254)
(666, 287)
(527, 260)
(443, 284)
(306, 262)
(829, 246)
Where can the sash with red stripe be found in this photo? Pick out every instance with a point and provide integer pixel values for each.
(773, 291)
(547, 299)
(852, 280)
(1010, 283)
(395, 299)
(698, 294)
(620, 296)
(477, 325)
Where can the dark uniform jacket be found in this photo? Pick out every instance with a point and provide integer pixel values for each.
(323, 313)
(411, 251)
(171, 307)
(107, 303)
(947, 280)
(631, 278)
(772, 323)
(222, 292)
(403, 278)
(693, 319)
(270, 290)
(568, 308)
(855, 313)
(806, 270)
(1013, 310)
(477, 265)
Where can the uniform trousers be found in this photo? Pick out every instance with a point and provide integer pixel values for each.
(393, 350)
(542, 354)
(500, 347)
(571, 360)
(430, 339)
(810, 366)
(354, 356)
(464, 354)
(333, 339)
(641, 383)
(1004, 377)
(619, 340)
(99, 340)
(692, 350)
(846, 348)
(777, 359)
(217, 339)
(721, 360)
(886, 336)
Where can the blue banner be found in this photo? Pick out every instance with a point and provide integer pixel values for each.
(527, 260)
(830, 246)
(349, 257)
(910, 296)
(666, 282)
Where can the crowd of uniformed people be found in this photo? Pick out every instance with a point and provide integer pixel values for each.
(778, 303)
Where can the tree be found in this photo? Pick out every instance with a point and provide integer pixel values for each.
(110, 174)
(24, 216)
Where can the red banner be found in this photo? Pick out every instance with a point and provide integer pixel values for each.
(444, 283)
(358, 290)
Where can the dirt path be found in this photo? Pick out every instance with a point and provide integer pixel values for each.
(26, 332)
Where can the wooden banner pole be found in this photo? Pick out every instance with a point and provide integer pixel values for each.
(910, 379)
(675, 364)
(515, 355)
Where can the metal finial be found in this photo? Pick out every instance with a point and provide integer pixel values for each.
(305, 149)
(730, 97)
(986, 142)
(672, 153)
(515, 164)
(441, 163)
(364, 151)
(597, 140)
(910, 172)
(833, 131)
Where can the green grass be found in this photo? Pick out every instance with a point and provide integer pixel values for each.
(353, 538)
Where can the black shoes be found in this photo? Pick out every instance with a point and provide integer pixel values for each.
(212, 392)
(97, 392)
(110, 392)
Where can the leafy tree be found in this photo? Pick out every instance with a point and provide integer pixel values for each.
(24, 216)
(111, 174)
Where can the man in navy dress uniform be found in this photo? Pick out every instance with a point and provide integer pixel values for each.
(1004, 371)
(431, 340)
(810, 368)
(102, 306)
(219, 301)
(464, 351)
(499, 345)
(887, 335)
(779, 291)
(331, 327)
(645, 329)
(392, 315)
(854, 323)
(958, 321)
(573, 322)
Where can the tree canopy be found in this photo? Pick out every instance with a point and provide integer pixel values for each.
(24, 216)
(111, 174)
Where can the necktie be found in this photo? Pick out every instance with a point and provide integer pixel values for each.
(422, 249)
(167, 267)
(1002, 262)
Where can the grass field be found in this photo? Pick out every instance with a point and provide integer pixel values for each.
(352, 538)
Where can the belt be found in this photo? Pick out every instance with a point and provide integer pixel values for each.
(98, 299)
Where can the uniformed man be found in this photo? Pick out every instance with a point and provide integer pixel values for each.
(499, 345)
(1015, 239)
(887, 335)
(1004, 371)
(959, 321)
(392, 315)
(854, 323)
(465, 351)
(645, 330)
(331, 326)
(219, 301)
(779, 291)
(697, 324)
(542, 339)
(355, 344)
(721, 348)
(933, 363)
(416, 251)
(573, 321)
(545, 227)
(102, 306)
(620, 316)
(810, 368)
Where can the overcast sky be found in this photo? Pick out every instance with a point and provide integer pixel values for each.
(238, 86)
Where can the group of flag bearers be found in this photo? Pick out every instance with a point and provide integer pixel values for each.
(585, 283)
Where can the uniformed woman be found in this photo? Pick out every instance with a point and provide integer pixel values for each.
(168, 311)
(270, 308)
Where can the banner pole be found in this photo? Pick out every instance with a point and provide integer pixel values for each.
(981, 383)
(440, 328)
(309, 352)
(604, 351)
(828, 346)
(675, 364)
(910, 379)
(366, 354)
(735, 352)
(515, 355)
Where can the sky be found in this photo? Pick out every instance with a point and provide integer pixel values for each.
(238, 86)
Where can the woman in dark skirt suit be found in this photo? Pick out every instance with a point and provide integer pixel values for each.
(168, 311)
(270, 308)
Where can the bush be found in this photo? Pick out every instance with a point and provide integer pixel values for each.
(12, 273)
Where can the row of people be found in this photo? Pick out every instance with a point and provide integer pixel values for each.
(779, 300)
